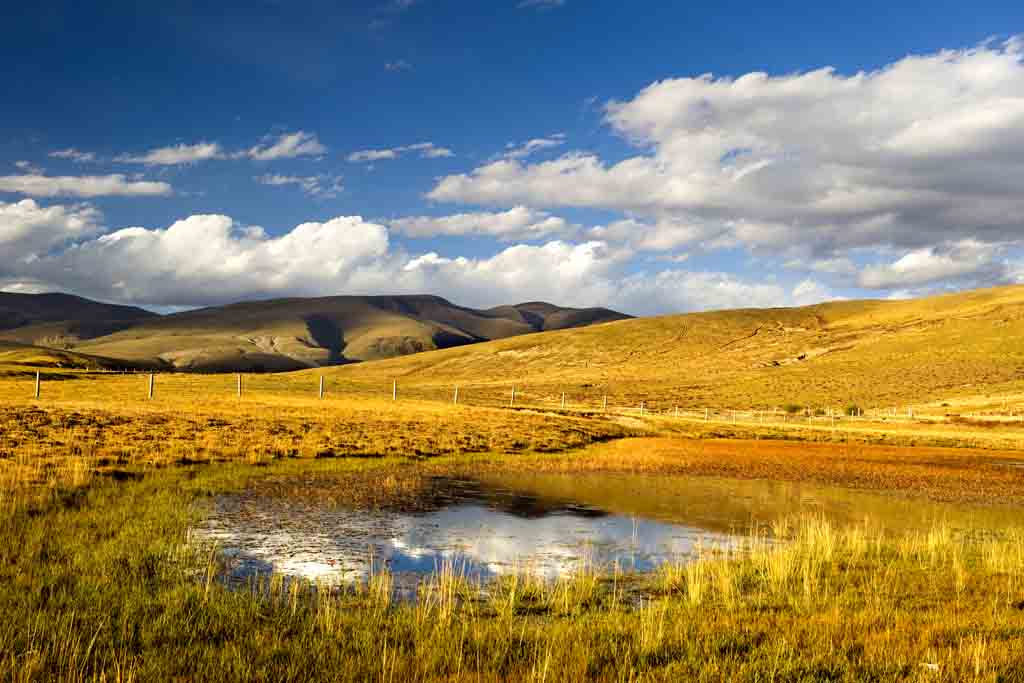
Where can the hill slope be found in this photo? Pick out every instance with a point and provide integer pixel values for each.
(61, 320)
(288, 334)
(874, 352)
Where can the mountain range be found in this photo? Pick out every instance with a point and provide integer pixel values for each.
(271, 335)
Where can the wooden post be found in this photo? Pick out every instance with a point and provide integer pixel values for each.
(604, 405)
(707, 414)
(563, 400)
(238, 378)
(455, 399)
(151, 386)
(512, 401)
(394, 390)
(321, 394)
(677, 411)
(641, 408)
(37, 384)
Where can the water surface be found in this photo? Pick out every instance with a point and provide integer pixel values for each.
(545, 524)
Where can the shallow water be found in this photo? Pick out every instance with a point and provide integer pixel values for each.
(544, 524)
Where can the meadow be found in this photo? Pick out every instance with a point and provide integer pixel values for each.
(103, 580)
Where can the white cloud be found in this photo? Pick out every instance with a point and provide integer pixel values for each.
(518, 223)
(37, 185)
(58, 248)
(540, 4)
(808, 292)
(175, 155)
(28, 229)
(74, 155)
(325, 185)
(525, 149)
(398, 65)
(28, 167)
(287, 146)
(427, 150)
(925, 151)
(967, 261)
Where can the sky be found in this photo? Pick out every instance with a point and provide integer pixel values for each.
(652, 157)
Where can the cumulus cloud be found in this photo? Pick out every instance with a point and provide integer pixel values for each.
(287, 146)
(62, 248)
(398, 65)
(967, 261)
(175, 155)
(74, 155)
(426, 150)
(926, 150)
(113, 185)
(28, 230)
(518, 223)
(324, 185)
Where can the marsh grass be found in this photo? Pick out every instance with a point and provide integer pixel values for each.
(104, 583)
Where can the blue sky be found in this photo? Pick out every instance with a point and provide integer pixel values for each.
(654, 157)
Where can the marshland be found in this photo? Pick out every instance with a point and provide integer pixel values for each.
(277, 535)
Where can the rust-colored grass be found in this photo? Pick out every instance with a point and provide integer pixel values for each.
(942, 474)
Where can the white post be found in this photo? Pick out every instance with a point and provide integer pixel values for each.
(321, 394)
(641, 408)
(707, 414)
(512, 401)
(151, 386)
(455, 400)
(37, 384)
(394, 390)
(604, 405)
(677, 411)
(563, 400)
(239, 378)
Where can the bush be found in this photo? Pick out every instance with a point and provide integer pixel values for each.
(792, 408)
(853, 410)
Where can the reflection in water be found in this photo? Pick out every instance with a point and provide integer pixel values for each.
(484, 531)
(546, 524)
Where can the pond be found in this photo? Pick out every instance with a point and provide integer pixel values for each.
(544, 524)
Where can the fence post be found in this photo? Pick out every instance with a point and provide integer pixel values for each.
(641, 408)
(563, 400)
(151, 386)
(707, 414)
(604, 405)
(238, 377)
(677, 411)
(37, 384)
(321, 394)
(394, 390)
(512, 401)
(455, 400)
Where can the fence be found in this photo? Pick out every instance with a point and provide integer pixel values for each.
(154, 386)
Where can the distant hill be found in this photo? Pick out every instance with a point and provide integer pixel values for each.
(969, 344)
(61, 320)
(279, 334)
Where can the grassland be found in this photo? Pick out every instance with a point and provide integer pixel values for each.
(103, 584)
(99, 486)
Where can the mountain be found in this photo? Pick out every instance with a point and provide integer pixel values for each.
(282, 334)
(61, 320)
(956, 347)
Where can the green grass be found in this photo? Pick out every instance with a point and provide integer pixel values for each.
(102, 584)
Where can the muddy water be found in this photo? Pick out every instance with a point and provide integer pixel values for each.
(545, 524)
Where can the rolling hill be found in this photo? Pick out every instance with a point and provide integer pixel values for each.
(960, 347)
(280, 334)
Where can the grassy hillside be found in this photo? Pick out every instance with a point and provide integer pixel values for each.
(282, 334)
(61, 320)
(967, 348)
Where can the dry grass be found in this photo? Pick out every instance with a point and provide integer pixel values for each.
(941, 474)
